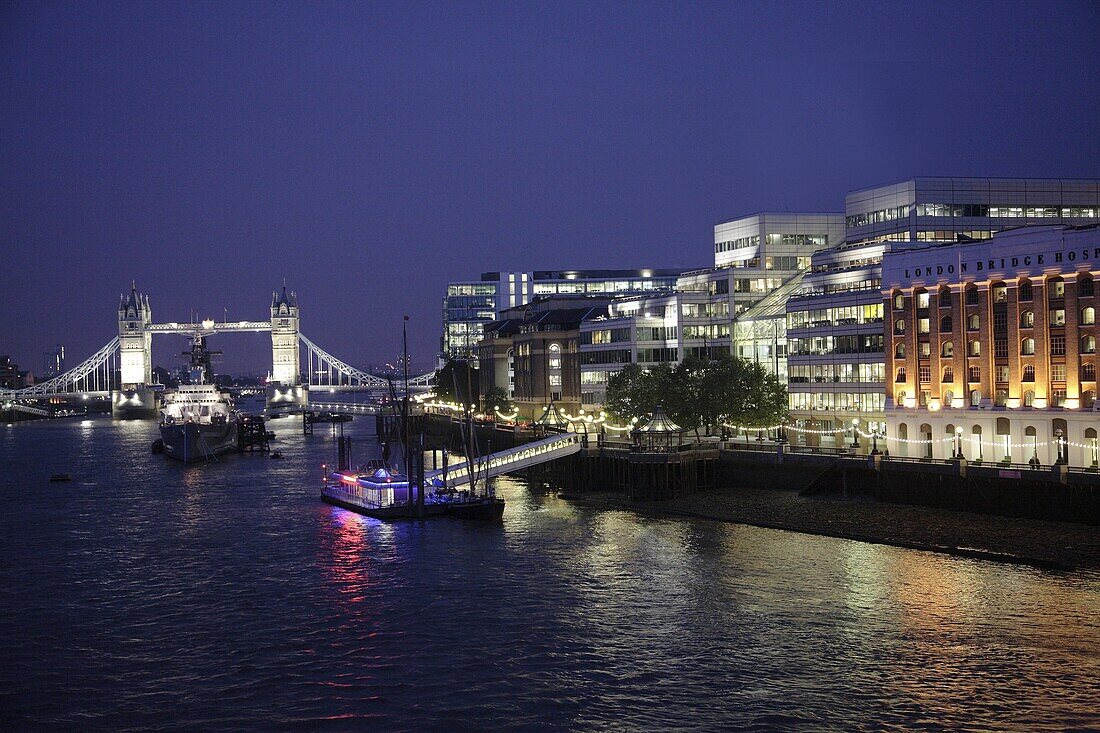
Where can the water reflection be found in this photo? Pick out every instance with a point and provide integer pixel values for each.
(204, 596)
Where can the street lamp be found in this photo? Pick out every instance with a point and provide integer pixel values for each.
(958, 442)
(855, 432)
(1061, 446)
(874, 441)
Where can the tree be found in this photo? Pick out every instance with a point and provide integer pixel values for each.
(632, 392)
(700, 393)
(496, 399)
(457, 382)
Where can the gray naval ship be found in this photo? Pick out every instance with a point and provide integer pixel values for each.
(197, 420)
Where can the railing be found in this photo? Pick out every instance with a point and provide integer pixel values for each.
(513, 459)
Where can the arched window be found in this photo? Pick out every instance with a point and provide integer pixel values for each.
(974, 374)
(1056, 288)
(1088, 316)
(973, 323)
(1088, 345)
(1088, 398)
(1027, 347)
(944, 297)
(899, 397)
(921, 296)
(1025, 290)
(926, 439)
(899, 326)
(899, 351)
(1029, 400)
(1000, 292)
(971, 294)
(948, 398)
(899, 301)
(975, 397)
(948, 375)
(975, 348)
(1084, 287)
(947, 349)
(1027, 319)
(946, 324)
(900, 378)
(1088, 372)
(1029, 374)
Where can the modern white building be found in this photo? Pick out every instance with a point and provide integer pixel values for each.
(837, 365)
(469, 305)
(736, 307)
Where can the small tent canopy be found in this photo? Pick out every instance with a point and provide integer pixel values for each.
(660, 422)
(551, 417)
(660, 433)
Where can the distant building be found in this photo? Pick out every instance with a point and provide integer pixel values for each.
(533, 352)
(471, 304)
(11, 377)
(53, 362)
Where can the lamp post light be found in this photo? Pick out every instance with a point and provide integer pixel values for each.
(958, 443)
(874, 441)
(1061, 447)
(855, 432)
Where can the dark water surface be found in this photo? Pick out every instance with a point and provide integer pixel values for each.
(149, 595)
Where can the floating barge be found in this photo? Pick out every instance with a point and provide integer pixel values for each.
(382, 493)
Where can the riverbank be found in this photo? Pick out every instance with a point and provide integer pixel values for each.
(1045, 544)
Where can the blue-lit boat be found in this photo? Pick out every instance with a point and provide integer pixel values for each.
(385, 493)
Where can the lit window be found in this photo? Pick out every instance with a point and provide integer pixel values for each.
(948, 349)
(975, 348)
(1088, 316)
(1027, 346)
(1027, 319)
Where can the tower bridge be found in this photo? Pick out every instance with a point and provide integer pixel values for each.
(123, 368)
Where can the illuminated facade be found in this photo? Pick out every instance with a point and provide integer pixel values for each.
(284, 339)
(737, 306)
(470, 305)
(134, 340)
(991, 348)
(533, 352)
(837, 365)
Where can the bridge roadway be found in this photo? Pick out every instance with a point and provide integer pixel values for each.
(508, 461)
(210, 327)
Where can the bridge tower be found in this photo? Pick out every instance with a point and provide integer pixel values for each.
(285, 389)
(134, 398)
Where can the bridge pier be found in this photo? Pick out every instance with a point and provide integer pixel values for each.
(133, 403)
(287, 398)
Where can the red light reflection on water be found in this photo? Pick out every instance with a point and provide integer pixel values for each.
(348, 562)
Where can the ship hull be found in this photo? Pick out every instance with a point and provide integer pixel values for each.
(192, 442)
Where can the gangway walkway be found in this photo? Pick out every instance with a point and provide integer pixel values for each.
(508, 461)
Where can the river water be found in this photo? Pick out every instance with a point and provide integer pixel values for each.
(146, 595)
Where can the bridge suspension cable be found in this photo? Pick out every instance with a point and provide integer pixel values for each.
(96, 375)
(324, 369)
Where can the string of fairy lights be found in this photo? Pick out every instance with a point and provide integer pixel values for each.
(600, 420)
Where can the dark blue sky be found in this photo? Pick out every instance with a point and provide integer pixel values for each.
(371, 153)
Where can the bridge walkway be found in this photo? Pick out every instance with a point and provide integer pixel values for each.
(508, 461)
